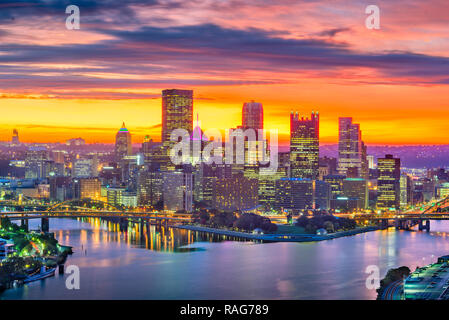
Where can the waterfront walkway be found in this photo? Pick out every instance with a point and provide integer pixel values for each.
(268, 237)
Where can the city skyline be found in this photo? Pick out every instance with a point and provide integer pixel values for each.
(156, 135)
(286, 55)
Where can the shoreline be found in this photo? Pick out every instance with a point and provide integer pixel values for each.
(272, 237)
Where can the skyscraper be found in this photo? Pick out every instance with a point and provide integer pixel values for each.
(350, 147)
(304, 146)
(123, 145)
(252, 115)
(15, 137)
(388, 183)
(177, 111)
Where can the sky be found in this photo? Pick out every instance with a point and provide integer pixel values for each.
(300, 55)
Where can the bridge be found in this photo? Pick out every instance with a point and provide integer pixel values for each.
(154, 218)
(434, 210)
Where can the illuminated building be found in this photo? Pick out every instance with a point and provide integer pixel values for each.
(204, 181)
(294, 194)
(75, 142)
(351, 150)
(60, 188)
(321, 194)
(356, 188)
(15, 138)
(443, 190)
(252, 115)
(304, 146)
(115, 195)
(404, 186)
(177, 191)
(87, 188)
(36, 160)
(149, 187)
(177, 111)
(388, 183)
(147, 148)
(336, 184)
(129, 199)
(364, 168)
(85, 168)
(123, 146)
(267, 187)
(329, 163)
(58, 156)
(235, 193)
(370, 159)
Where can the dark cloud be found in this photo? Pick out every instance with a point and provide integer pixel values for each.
(207, 50)
(92, 10)
(332, 32)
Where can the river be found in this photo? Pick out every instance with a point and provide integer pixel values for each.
(131, 262)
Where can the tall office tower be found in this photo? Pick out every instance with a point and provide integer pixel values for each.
(252, 115)
(177, 111)
(149, 187)
(304, 146)
(364, 167)
(350, 146)
(370, 159)
(388, 183)
(178, 191)
(15, 137)
(123, 146)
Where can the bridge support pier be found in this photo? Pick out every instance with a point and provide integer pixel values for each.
(383, 223)
(423, 226)
(123, 224)
(24, 224)
(45, 224)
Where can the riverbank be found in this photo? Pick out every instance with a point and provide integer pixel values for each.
(272, 237)
(27, 255)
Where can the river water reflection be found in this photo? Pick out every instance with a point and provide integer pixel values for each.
(136, 261)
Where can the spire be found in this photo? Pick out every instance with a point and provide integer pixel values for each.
(123, 124)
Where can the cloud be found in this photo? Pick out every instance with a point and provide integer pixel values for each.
(217, 54)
